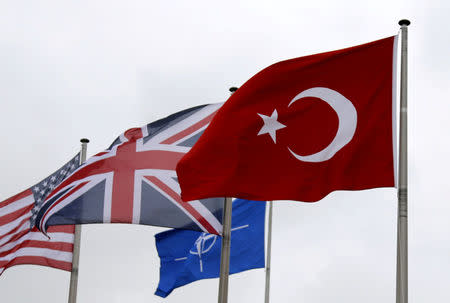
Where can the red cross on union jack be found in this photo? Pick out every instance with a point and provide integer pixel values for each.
(137, 180)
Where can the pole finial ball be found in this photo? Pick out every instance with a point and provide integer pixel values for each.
(404, 22)
(233, 89)
(84, 140)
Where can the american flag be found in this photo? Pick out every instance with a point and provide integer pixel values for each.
(134, 180)
(23, 243)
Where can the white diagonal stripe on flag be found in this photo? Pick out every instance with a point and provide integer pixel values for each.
(66, 199)
(182, 125)
(167, 177)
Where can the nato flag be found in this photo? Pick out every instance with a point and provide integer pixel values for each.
(188, 256)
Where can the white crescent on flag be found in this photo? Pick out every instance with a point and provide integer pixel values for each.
(346, 113)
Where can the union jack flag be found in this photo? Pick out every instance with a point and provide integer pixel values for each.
(134, 180)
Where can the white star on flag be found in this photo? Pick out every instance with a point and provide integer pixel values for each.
(271, 125)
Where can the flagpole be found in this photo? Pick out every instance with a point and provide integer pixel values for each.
(226, 243)
(269, 250)
(402, 217)
(225, 253)
(77, 240)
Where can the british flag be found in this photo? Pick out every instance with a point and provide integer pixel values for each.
(134, 180)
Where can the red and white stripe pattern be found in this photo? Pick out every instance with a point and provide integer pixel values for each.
(20, 245)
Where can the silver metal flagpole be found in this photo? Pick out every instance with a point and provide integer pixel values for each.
(226, 244)
(269, 250)
(402, 217)
(77, 239)
(225, 253)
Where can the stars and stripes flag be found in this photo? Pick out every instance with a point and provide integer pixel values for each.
(21, 242)
(134, 180)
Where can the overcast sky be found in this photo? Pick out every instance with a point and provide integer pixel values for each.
(73, 69)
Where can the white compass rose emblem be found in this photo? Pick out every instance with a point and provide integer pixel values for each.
(203, 244)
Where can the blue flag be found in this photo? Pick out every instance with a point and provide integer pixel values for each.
(188, 256)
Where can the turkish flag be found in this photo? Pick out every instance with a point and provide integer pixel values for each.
(300, 129)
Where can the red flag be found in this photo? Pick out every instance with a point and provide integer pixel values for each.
(301, 129)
